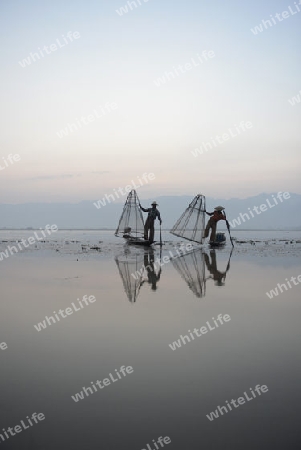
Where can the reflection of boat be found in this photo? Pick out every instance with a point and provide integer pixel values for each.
(131, 268)
(131, 224)
(191, 267)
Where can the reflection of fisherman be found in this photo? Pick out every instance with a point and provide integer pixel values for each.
(153, 213)
(217, 276)
(212, 222)
(152, 277)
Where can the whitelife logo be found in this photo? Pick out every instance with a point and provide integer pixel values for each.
(68, 311)
(183, 68)
(181, 251)
(220, 139)
(295, 100)
(9, 160)
(3, 346)
(30, 241)
(269, 23)
(33, 57)
(85, 120)
(161, 441)
(241, 401)
(102, 384)
(263, 207)
(35, 417)
(275, 292)
(124, 9)
(112, 197)
(200, 331)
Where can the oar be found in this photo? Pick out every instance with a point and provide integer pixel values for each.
(160, 236)
(228, 227)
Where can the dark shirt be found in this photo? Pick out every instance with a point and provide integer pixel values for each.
(153, 213)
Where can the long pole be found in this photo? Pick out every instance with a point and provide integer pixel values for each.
(228, 227)
(160, 237)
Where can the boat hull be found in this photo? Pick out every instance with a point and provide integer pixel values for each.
(137, 241)
(217, 244)
(220, 240)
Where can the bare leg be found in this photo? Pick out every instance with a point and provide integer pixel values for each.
(208, 226)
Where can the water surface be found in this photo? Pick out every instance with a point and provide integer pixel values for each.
(132, 323)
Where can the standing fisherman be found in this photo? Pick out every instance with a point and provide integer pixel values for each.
(153, 213)
(212, 222)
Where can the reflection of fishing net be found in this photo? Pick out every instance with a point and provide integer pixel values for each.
(131, 270)
(131, 220)
(191, 267)
(191, 224)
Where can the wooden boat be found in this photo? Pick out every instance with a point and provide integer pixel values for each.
(220, 240)
(137, 241)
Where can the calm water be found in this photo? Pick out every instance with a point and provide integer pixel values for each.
(131, 323)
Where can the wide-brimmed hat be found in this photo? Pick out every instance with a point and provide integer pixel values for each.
(155, 203)
(219, 208)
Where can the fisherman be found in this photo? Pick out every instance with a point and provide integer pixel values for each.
(212, 222)
(149, 229)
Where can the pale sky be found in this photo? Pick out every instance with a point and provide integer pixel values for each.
(115, 61)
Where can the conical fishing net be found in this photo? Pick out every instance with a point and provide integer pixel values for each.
(131, 220)
(191, 224)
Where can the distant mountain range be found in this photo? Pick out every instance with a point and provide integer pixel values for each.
(85, 215)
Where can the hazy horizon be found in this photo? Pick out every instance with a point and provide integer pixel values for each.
(122, 199)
